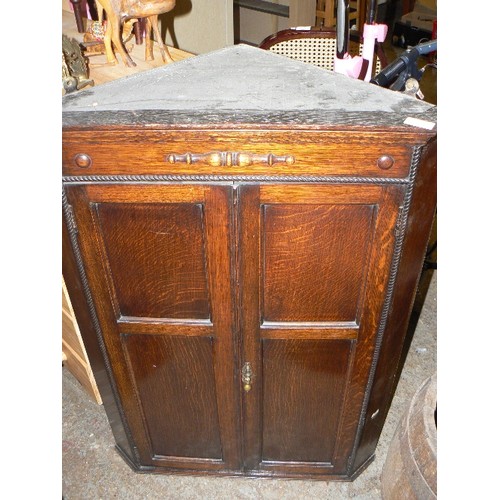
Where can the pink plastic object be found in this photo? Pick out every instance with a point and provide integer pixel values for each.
(372, 32)
(349, 66)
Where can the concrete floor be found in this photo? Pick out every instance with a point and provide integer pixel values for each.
(92, 469)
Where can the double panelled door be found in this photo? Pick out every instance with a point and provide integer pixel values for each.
(239, 319)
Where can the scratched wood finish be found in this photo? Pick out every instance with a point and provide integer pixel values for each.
(160, 272)
(303, 119)
(327, 245)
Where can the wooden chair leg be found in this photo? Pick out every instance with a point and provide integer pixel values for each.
(139, 28)
(77, 8)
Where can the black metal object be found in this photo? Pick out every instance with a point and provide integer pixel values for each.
(395, 74)
(405, 35)
(342, 47)
(371, 12)
(263, 6)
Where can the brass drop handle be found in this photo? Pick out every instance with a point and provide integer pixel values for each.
(229, 159)
(246, 377)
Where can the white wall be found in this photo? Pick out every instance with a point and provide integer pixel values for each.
(199, 26)
(254, 26)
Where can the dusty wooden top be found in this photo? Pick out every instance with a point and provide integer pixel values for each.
(242, 85)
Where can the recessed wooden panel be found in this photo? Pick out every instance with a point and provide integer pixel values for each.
(315, 261)
(174, 378)
(156, 258)
(303, 387)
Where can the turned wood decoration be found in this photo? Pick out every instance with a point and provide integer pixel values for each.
(229, 159)
(118, 12)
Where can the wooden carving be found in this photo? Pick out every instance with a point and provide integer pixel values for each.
(120, 11)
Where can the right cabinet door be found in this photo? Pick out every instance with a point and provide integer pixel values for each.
(315, 262)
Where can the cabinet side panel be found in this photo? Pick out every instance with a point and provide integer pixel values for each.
(174, 377)
(393, 352)
(304, 382)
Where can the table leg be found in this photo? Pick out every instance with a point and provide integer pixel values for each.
(77, 8)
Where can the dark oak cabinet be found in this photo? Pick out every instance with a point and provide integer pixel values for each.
(243, 272)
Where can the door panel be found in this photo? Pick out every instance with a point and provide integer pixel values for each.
(328, 245)
(303, 380)
(161, 271)
(174, 377)
(158, 261)
(314, 268)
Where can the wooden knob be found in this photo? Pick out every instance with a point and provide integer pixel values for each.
(385, 162)
(82, 160)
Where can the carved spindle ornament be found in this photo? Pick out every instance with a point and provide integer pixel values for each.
(229, 159)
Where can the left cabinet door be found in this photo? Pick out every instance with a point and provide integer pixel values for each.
(158, 263)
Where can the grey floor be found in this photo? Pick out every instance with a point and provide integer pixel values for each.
(92, 469)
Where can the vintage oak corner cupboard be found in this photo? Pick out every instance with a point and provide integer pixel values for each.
(243, 237)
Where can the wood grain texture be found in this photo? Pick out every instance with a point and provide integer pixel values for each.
(74, 355)
(71, 337)
(133, 396)
(326, 153)
(380, 261)
(248, 261)
(314, 261)
(90, 338)
(156, 258)
(410, 470)
(373, 210)
(175, 382)
(395, 345)
(303, 384)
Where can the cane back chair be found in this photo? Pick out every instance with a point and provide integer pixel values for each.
(316, 46)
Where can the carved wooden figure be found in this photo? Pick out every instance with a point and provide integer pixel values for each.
(119, 11)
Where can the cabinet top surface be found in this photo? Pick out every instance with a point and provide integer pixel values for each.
(241, 85)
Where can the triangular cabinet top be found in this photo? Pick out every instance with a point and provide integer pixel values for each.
(243, 86)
